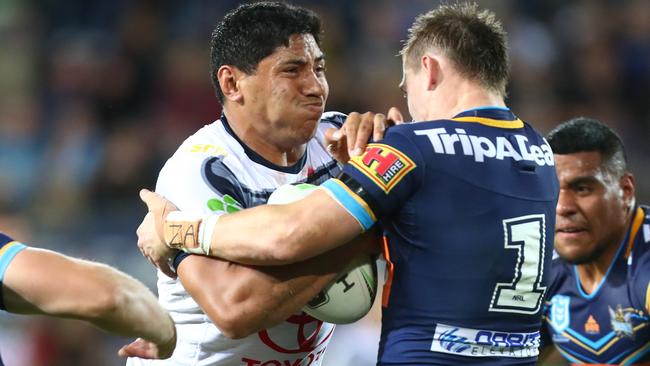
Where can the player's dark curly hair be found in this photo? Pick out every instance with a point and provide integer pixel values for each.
(584, 134)
(473, 39)
(253, 31)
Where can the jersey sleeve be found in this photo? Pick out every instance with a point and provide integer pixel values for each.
(8, 250)
(328, 120)
(189, 174)
(332, 119)
(378, 182)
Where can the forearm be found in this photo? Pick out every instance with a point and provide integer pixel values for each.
(250, 299)
(136, 312)
(241, 300)
(282, 234)
(44, 282)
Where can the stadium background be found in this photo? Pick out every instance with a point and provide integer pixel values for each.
(95, 95)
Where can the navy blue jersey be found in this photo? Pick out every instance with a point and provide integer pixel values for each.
(611, 325)
(468, 207)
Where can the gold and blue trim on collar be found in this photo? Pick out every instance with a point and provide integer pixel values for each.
(517, 123)
(492, 116)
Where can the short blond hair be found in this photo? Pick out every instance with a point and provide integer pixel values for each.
(472, 38)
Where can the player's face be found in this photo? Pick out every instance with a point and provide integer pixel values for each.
(591, 209)
(412, 91)
(287, 92)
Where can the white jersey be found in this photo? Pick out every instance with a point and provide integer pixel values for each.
(214, 171)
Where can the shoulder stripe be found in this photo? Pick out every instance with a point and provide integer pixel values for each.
(7, 254)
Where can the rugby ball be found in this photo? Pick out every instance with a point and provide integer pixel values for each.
(351, 295)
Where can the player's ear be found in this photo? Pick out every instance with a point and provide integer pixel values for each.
(431, 68)
(229, 77)
(628, 188)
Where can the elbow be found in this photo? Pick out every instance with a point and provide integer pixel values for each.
(107, 300)
(112, 294)
(235, 324)
(286, 252)
(237, 315)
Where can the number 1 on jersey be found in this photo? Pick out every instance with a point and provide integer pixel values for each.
(524, 293)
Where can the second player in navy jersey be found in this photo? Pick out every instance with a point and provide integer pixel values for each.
(467, 201)
(597, 310)
(468, 211)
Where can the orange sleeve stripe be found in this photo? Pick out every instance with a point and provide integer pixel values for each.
(390, 267)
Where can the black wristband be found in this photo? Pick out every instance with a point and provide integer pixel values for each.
(355, 187)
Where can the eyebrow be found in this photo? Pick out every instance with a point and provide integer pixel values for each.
(583, 180)
(302, 61)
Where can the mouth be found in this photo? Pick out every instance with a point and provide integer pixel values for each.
(315, 107)
(570, 231)
(314, 104)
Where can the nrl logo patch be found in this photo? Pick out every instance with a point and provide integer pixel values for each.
(560, 312)
(384, 165)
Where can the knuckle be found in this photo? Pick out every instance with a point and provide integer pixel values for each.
(366, 127)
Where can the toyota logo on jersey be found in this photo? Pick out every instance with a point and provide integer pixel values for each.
(308, 330)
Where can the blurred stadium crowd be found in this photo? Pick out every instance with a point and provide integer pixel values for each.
(96, 95)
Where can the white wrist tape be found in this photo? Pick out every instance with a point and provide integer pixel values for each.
(206, 229)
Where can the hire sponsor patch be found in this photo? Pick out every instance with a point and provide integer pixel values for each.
(384, 165)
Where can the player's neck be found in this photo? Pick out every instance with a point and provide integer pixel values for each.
(452, 99)
(276, 152)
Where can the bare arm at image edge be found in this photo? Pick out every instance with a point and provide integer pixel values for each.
(40, 281)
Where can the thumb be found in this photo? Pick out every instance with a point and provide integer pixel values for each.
(147, 197)
(333, 135)
(395, 115)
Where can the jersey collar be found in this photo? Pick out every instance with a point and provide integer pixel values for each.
(627, 243)
(259, 159)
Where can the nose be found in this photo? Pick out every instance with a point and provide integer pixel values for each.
(566, 204)
(315, 86)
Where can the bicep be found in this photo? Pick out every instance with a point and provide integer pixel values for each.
(243, 299)
(217, 284)
(330, 225)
